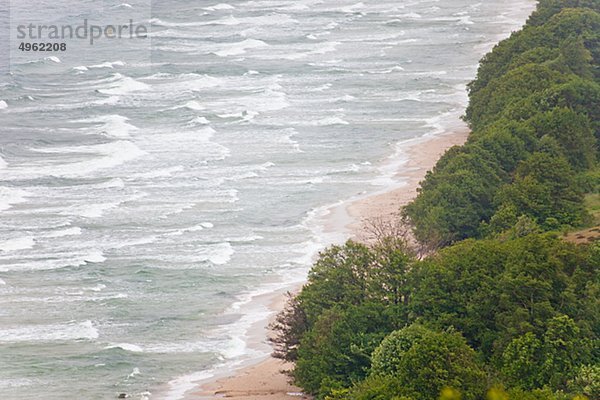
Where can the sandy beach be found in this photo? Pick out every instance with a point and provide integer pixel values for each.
(265, 380)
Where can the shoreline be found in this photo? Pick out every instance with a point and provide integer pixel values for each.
(262, 379)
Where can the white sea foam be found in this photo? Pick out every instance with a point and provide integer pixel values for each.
(135, 242)
(3, 105)
(411, 15)
(353, 8)
(112, 125)
(192, 105)
(98, 288)
(126, 346)
(199, 121)
(218, 254)
(159, 173)
(110, 65)
(107, 64)
(102, 156)
(112, 183)
(234, 49)
(21, 243)
(124, 85)
(11, 196)
(95, 256)
(179, 386)
(396, 68)
(90, 210)
(123, 5)
(16, 383)
(52, 261)
(220, 6)
(54, 59)
(326, 122)
(50, 333)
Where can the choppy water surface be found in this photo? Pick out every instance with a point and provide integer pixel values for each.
(144, 205)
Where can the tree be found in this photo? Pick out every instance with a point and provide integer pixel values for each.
(336, 351)
(521, 361)
(429, 361)
(544, 187)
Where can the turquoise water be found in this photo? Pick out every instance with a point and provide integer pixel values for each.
(149, 194)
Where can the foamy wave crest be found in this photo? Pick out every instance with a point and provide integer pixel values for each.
(97, 210)
(15, 383)
(159, 173)
(163, 348)
(353, 8)
(124, 85)
(10, 196)
(198, 121)
(107, 64)
(112, 125)
(126, 346)
(107, 155)
(94, 257)
(16, 244)
(191, 105)
(112, 183)
(179, 386)
(396, 68)
(234, 49)
(50, 333)
(3, 105)
(90, 210)
(411, 15)
(123, 5)
(54, 261)
(327, 122)
(220, 6)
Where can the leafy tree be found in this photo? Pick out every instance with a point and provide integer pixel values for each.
(387, 357)
(587, 381)
(336, 351)
(545, 187)
(572, 132)
(521, 361)
(564, 350)
(432, 362)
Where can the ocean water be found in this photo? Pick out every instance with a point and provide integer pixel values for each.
(151, 194)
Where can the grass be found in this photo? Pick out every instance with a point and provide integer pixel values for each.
(592, 204)
(592, 233)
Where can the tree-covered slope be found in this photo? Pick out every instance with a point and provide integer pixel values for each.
(506, 308)
(534, 107)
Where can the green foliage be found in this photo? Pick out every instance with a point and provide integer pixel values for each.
(529, 362)
(353, 274)
(545, 187)
(430, 361)
(456, 196)
(587, 381)
(535, 92)
(387, 357)
(336, 350)
(520, 361)
(374, 387)
(504, 303)
(548, 8)
(572, 132)
(527, 305)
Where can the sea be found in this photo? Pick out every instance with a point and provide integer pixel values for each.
(153, 190)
